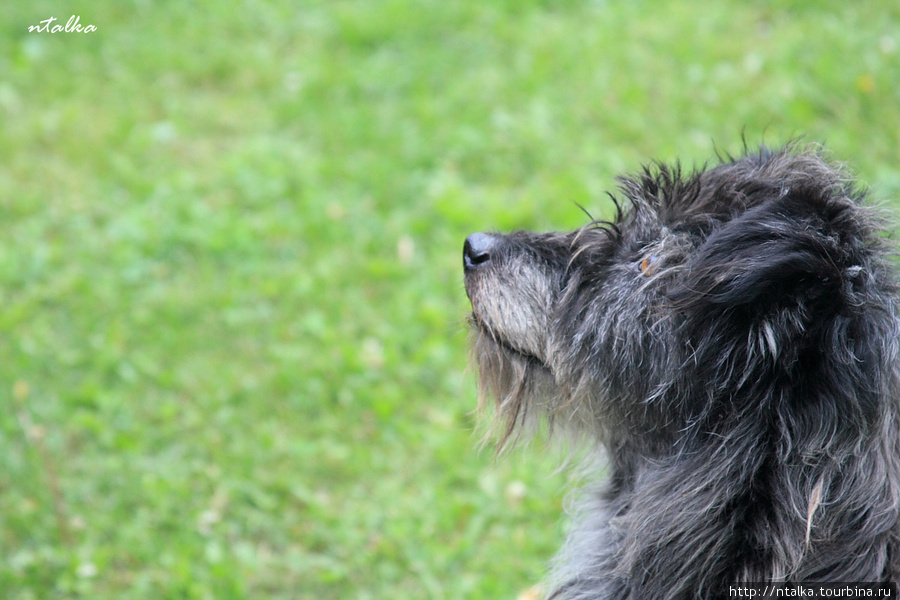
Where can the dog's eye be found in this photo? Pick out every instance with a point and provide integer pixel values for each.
(649, 265)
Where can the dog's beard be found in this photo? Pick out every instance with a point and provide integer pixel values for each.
(522, 386)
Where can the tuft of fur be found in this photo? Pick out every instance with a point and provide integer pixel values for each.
(730, 340)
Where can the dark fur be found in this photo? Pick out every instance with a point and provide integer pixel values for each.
(730, 340)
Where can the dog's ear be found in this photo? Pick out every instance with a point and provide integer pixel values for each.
(800, 244)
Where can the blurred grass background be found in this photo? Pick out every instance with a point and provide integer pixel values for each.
(232, 361)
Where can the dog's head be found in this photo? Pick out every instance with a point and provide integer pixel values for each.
(762, 271)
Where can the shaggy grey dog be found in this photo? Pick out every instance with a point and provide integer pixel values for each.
(730, 341)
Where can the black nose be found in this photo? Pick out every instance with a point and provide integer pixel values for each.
(477, 250)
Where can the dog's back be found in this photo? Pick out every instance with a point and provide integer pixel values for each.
(731, 339)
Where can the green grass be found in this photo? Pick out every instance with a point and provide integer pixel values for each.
(233, 323)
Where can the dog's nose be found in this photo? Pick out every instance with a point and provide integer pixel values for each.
(477, 250)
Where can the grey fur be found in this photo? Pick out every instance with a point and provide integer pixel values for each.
(730, 341)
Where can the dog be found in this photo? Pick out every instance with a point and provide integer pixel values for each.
(729, 341)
